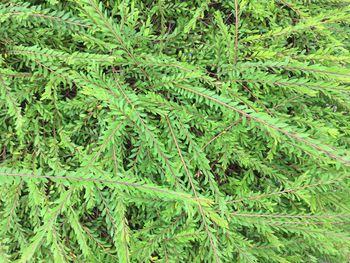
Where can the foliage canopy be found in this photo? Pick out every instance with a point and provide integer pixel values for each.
(175, 131)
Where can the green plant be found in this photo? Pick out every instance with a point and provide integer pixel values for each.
(174, 131)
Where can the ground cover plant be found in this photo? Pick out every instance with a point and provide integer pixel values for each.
(174, 131)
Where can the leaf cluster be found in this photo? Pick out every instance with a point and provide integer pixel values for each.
(175, 131)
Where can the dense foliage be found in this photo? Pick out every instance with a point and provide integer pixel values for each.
(175, 131)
